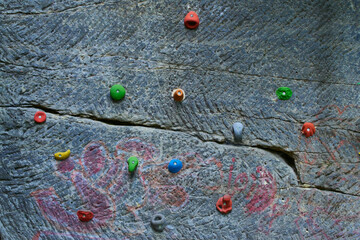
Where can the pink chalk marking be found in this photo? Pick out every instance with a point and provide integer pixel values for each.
(101, 181)
(65, 166)
(54, 211)
(276, 211)
(109, 175)
(173, 196)
(119, 184)
(190, 160)
(262, 191)
(230, 173)
(332, 152)
(339, 111)
(46, 234)
(308, 217)
(138, 148)
(243, 179)
(97, 202)
(221, 172)
(94, 158)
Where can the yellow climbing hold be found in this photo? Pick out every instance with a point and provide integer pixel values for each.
(62, 155)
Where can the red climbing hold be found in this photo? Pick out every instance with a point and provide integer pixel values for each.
(40, 117)
(85, 216)
(308, 129)
(224, 204)
(191, 20)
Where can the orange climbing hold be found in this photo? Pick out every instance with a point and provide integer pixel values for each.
(191, 20)
(178, 95)
(308, 129)
(224, 204)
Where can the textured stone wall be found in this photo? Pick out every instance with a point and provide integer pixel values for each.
(62, 57)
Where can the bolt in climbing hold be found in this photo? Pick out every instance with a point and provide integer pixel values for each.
(117, 92)
(284, 93)
(224, 204)
(308, 129)
(175, 165)
(132, 163)
(178, 95)
(158, 222)
(62, 155)
(84, 215)
(40, 117)
(191, 20)
(238, 128)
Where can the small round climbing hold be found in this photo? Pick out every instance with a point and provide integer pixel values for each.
(237, 129)
(40, 117)
(191, 20)
(175, 165)
(84, 215)
(132, 163)
(178, 95)
(308, 129)
(224, 204)
(284, 93)
(117, 92)
(158, 222)
(62, 155)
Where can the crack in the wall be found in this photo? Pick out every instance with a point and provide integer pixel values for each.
(322, 188)
(108, 121)
(287, 156)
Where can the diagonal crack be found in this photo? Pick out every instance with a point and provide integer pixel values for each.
(287, 156)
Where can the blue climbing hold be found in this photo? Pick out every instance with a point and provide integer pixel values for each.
(175, 165)
(238, 128)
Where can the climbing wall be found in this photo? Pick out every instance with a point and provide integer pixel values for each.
(266, 66)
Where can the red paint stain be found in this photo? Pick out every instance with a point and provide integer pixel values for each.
(262, 191)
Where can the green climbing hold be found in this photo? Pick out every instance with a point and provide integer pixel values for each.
(132, 162)
(117, 92)
(284, 93)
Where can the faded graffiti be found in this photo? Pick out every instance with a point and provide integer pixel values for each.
(316, 219)
(103, 184)
(326, 153)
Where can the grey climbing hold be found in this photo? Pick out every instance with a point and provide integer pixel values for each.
(158, 222)
(238, 128)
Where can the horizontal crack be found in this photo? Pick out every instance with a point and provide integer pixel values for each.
(112, 122)
(322, 188)
(287, 156)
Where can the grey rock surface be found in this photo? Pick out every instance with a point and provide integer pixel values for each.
(62, 57)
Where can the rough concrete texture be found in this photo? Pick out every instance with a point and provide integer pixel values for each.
(62, 57)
